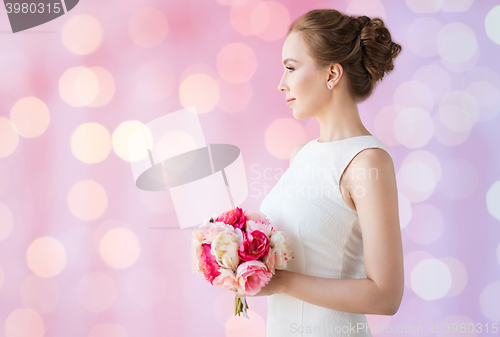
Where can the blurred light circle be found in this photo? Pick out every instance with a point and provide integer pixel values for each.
(458, 276)
(91, 143)
(498, 255)
(237, 327)
(426, 225)
(275, 28)
(436, 79)
(282, 136)
(9, 138)
(199, 90)
(457, 43)
(24, 323)
(155, 80)
(413, 127)
(488, 301)
(31, 117)
(4, 178)
(234, 97)
(483, 84)
(260, 17)
(492, 24)
(384, 125)
(424, 6)
(87, 200)
(123, 134)
(82, 34)
(461, 170)
(148, 27)
(242, 17)
(405, 210)
(119, 248)
(46, 257)
(106, 87)
(108, 330)
(418, 175)
(39, 294)
(431, 279)
(484, 92)
(458, 111)
(371, 8)
(445, 135)
(96, 291)
(456, 5)
(146, 286)
(413, 94)
(6, 221)
(493, 200)
(411, 260)
(421, 36)
(78, 86)
(236, 62)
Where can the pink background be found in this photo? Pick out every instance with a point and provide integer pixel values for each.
(77, 254)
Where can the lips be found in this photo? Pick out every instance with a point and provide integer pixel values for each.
(290, 99)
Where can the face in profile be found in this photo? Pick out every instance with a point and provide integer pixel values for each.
(301, 80)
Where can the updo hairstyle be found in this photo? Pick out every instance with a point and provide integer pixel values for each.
(362, 45)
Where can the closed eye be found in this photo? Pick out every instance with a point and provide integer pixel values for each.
(289, 68)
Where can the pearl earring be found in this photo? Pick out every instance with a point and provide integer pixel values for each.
(329, 86)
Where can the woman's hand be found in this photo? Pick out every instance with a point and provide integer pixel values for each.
(275, 285)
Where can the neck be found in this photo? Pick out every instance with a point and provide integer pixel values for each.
(340, 120)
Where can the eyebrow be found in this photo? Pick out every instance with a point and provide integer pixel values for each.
(289, 59)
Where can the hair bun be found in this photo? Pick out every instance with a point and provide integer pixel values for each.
(379, 51)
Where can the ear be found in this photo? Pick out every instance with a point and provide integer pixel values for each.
(335, 73)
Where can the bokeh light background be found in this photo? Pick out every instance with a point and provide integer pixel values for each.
(78, 252)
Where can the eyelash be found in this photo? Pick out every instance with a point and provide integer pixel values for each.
(289, 68)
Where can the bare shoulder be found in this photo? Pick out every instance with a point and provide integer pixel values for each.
(296, 150)
(373, 158)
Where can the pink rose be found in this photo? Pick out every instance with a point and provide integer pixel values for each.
(210, 266)
(255, 245)
(234, 217)
(226, 280)
(252, 276)
(255, 215)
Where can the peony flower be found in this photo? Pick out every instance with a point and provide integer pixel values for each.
(283, 252)
(210, 267)
(215, 229)
(255, 246)
(252, 276)
(270, 260)
(261, 225)
(196, 253)
(255, 215)
(225, 249)
(226, 279)
(234, 217)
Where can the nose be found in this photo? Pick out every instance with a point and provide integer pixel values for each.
(281, 85)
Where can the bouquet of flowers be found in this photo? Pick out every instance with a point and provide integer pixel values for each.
(239, 251)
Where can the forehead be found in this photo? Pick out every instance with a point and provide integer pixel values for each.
(294, 48)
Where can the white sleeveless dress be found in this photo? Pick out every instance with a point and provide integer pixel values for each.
(324, 233)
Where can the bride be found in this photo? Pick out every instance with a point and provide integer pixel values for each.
(348, 257)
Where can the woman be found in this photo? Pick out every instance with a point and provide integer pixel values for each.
(337, 203)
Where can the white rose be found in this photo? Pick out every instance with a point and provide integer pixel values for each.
(225, 249)
(283, 252)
